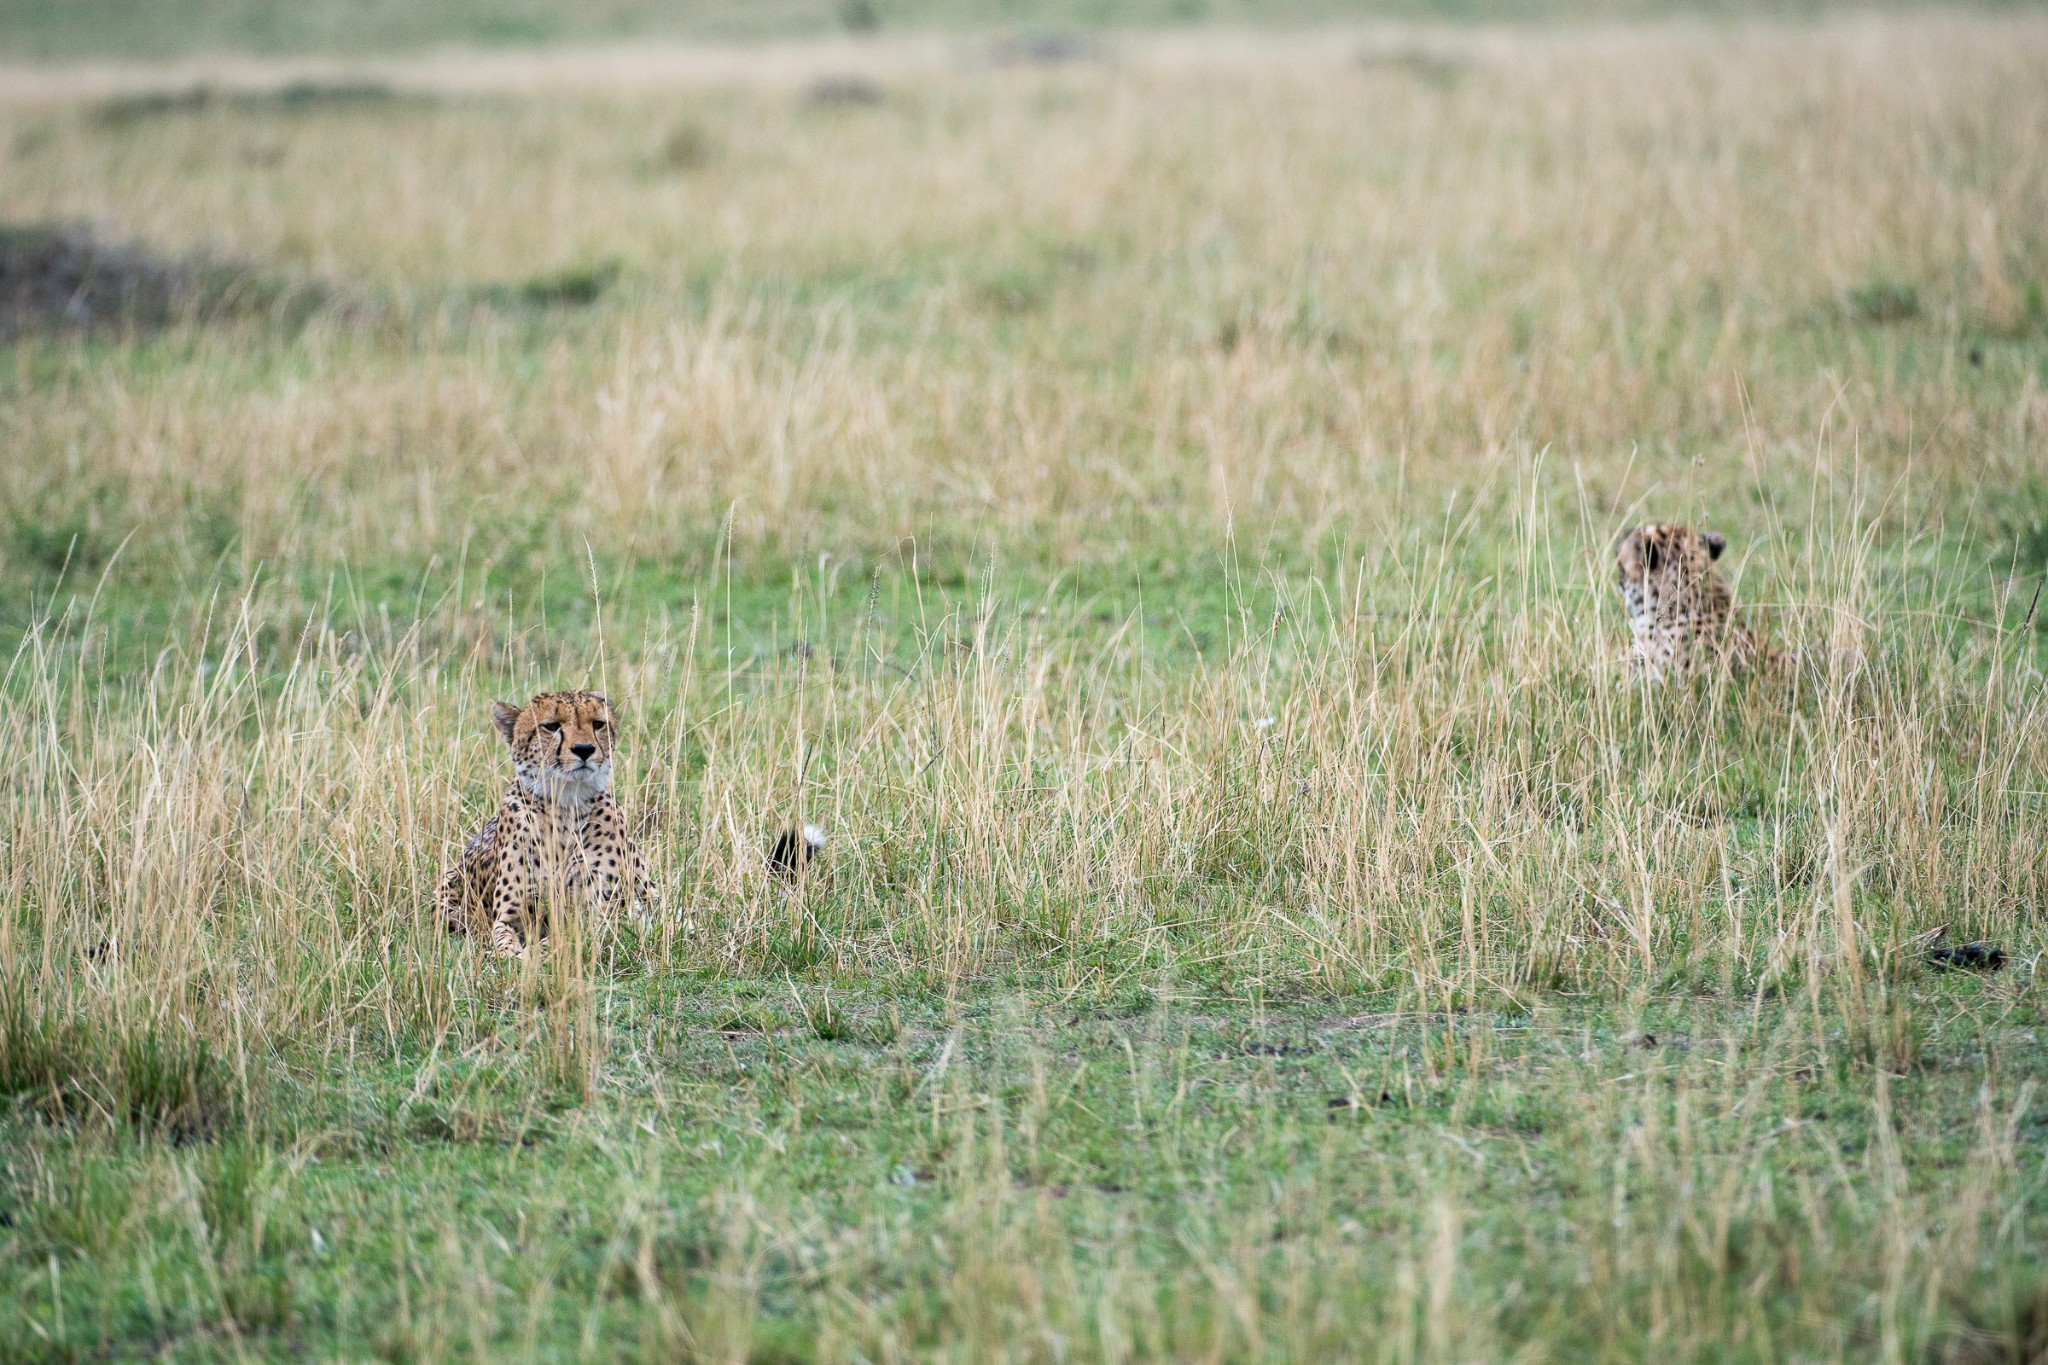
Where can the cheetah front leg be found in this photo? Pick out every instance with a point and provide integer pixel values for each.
(508, 909)
(621, 886)
(451, 901)
(641, 895)
(465, 893)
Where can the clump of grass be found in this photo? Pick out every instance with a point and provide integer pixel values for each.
(748, 1019)
(831, 1022)
(860, 16)
(41, 1058)
(845, 92)
(689, 146)
(2021, 531)
(1881, 302)
(124, 110)
(826, 1021)
(293, 98)
(171, 1083)
(302, 97)
(566, 974)
(66, 277)
(151, 1081)
(1013, 293)
(1436, 69)
(1049, 48)
(576, 287)
(72, 542)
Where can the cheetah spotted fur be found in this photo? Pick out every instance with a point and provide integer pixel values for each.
(1680, 611)
(558, 838)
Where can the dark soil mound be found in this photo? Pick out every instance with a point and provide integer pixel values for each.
(66, 277)
(300, 97)
(841, 92)
(1046, 49)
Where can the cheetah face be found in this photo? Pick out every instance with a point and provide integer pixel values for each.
(561, 744)
(1665, 571)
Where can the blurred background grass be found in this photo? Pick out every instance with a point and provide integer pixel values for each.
(164, 28)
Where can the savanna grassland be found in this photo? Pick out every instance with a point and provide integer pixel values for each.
(1150, 500)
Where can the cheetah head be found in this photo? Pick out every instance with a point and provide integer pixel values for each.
(1667, 572)
(561, 744)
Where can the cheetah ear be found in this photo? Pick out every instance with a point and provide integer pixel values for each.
(1715, 543)
(1628, 553)
(504, 715)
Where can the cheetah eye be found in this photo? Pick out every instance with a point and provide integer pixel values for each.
(597, 725)
(551, 725)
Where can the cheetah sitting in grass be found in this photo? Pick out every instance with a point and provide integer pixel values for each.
(559, 837)
(1679, 609)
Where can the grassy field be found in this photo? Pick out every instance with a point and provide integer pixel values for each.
(1155, 513)
(166, 28)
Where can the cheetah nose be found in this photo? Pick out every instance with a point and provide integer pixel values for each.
(583, 750)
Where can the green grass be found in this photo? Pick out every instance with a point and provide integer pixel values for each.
(1157, 517)
(1153, 1169)
(147, 29)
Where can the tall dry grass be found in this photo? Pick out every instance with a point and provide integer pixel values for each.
(1456, 799)
(1246, 283)
(1348, 371)
(1448, 329)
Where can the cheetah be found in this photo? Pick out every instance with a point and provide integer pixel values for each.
(558, 836)
(1679, 608)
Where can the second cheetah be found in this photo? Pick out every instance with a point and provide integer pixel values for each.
(1680, 611)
